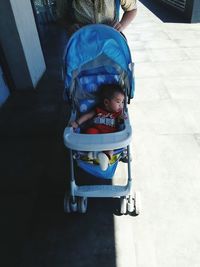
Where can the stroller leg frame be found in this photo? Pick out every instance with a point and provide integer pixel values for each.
(77, 199)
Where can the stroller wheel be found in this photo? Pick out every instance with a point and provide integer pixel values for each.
(123, 205)
(82, 204)
(137, 203)
(130, 204)
(69, 205)
(73, 205)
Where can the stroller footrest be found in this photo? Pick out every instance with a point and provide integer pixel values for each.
(102, 190)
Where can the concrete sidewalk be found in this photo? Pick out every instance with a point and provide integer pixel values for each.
(166, 163)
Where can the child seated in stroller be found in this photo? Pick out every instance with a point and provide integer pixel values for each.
(106, 117)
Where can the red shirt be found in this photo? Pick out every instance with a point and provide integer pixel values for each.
(104, 114)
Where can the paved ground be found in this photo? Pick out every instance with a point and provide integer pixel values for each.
(166, 153)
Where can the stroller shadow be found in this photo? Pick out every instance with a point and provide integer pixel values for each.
(36, 232)
(163, 12)
(55, 238)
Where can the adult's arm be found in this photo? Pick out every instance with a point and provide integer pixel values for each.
(127, 18)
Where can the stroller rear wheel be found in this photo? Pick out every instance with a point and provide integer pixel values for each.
(137, 203)
(82, 204)
(123, 205)
(130, 204)
(69, 204)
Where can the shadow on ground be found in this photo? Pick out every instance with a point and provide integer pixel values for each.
(34, 163)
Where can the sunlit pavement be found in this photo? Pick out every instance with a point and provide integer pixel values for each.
(165, 115)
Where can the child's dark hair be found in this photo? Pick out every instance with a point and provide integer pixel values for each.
(108, 91)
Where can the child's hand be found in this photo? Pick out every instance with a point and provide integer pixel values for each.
(74, 124)
(123, 116)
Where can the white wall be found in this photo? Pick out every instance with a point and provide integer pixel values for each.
(27, 30)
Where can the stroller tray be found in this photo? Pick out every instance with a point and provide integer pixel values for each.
(97, 142)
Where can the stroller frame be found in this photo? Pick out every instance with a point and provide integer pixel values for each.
(76, 199)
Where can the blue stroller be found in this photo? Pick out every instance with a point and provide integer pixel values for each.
(95, 55)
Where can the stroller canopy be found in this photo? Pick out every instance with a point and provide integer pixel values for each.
(97, 43)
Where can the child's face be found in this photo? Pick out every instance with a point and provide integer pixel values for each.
(116, 103)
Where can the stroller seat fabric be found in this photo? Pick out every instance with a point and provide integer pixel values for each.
(89, 85)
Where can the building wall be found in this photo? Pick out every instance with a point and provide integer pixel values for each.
(195, 10)
(20, 43)
(190, 9)
(27, 30)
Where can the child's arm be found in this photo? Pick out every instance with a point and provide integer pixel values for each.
(75, 124)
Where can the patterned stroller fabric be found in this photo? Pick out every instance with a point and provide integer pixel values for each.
(97, 50)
